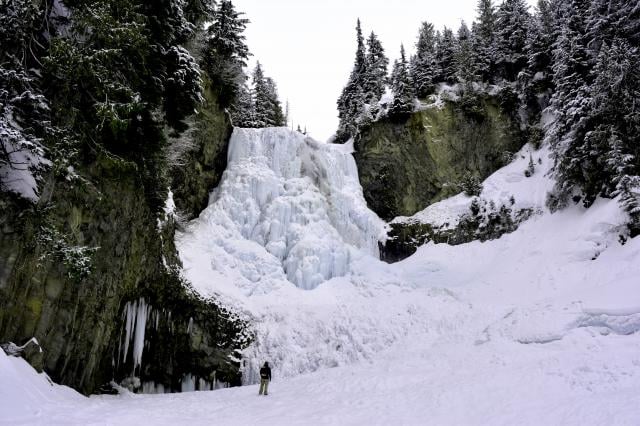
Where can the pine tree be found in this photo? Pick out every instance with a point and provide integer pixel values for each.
(571, 100)
(243, 110)
(424, 67)
(225, 51)
(351, 103)
(267, 111)
(445, 57)
(262, 98)
(537, 77)
(276, 116)
(610, 150)
(402, 86)
(484, 40)
(464, 58)
(512, 23)
(376, 68)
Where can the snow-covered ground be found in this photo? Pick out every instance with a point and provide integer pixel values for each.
(538, 327)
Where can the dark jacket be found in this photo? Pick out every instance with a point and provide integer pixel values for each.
(265, 373)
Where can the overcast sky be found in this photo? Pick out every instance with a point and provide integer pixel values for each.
(308, 47)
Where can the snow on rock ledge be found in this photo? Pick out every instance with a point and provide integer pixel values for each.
(288, 209)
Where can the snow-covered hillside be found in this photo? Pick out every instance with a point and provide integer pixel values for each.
(538, 327)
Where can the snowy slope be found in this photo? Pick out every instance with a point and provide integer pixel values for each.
(510, 181)
(538, 327)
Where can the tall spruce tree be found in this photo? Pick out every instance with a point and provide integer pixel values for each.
(610, 151)
(484, 40)
(464, 56)
(225, 51)
(424, 65)
(536, 82)
(445, 57)
(262, 98)
(243, 109)
(402, 86)
(572, 62)
(276, 115)
(352, 100)
(376, 68)
(512, 23)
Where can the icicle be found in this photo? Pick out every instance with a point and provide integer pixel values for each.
(136, 315)
(130, 311)
(140, 327)
(190, 326)
(188, 384)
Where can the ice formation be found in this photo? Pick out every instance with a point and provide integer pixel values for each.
(136, 315)
(288, 209)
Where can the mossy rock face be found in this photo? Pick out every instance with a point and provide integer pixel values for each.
(78, 320)
(205, 161)
(407, 164)
(405, 238)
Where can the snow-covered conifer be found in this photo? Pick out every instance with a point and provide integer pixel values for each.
(445, 56)
(424, 66)
(402, 86)
(352, 100)
(464, 57)
(377, 65)
(225, 51)
(484, 39)
(512, 23)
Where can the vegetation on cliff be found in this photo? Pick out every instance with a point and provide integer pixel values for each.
(105, 106)
(566, 75)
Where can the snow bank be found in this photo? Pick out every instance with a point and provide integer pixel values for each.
(26, 396)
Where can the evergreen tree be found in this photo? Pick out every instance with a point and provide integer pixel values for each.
(464, 58)
(267, 111)
(276, 116)
(611, 146)
(484, 40)
(262, 98)
(402, 86)
(352, 100)
(445, 57)
(613, 19)
(512, 23)
(225, 51)
(570, 101)
(536, 81)
(424, 66)
(243, 111)
(376, 68)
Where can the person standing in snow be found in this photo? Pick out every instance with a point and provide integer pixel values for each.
(265, 378)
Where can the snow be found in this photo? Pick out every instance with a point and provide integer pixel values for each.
(538, 327)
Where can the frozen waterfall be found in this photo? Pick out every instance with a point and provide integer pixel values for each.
(288, 208)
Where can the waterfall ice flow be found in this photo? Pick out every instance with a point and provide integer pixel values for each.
(288, 209)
